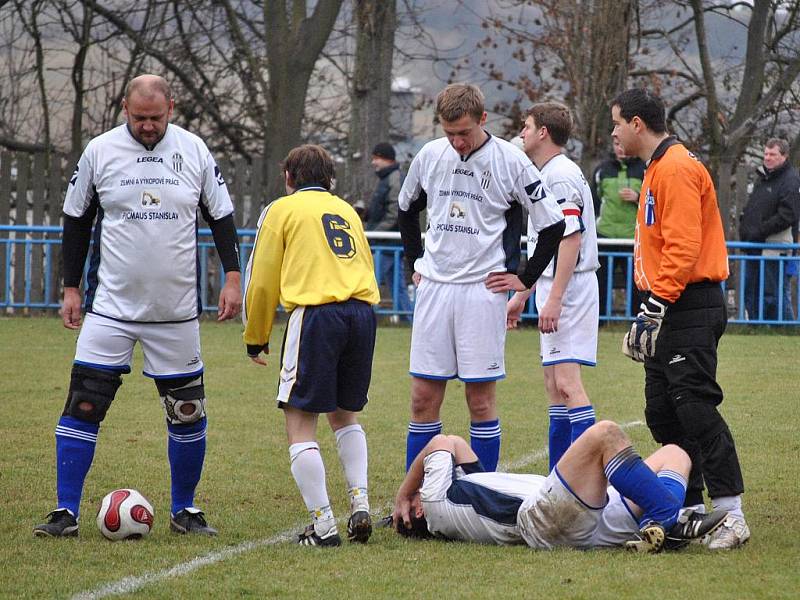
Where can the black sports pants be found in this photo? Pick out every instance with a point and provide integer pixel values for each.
(682, 393)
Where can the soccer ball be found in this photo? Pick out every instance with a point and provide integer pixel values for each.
(125, 515)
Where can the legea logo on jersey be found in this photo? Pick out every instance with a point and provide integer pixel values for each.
(457, 211)
(151, 199)
(149, 159)
(177, 162)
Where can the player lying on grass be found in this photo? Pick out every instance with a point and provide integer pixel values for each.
(573, 506)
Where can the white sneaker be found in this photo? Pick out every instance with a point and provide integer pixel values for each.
(733, 533)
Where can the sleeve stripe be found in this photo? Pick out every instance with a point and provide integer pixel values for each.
(572, 212)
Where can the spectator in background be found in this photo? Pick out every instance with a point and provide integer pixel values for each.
(382, 215)
(771, 216)
(615, 188)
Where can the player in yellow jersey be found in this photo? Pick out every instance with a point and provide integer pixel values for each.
(312, 256)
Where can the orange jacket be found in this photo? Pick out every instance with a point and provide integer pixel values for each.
(679, 237)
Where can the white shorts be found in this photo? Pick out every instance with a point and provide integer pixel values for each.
(554, 516)
(170, 349)
(459, 331)
(576, 338)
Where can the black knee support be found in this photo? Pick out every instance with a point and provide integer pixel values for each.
(95, 387)
(178, 395)
(700, 420)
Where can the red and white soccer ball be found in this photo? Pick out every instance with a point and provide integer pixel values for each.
(125, 515)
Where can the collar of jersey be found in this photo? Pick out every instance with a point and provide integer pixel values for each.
(665, 144)
(128, 129)
(478, 149)
(311, 188)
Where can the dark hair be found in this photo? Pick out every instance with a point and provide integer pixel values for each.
(384, 150)
(781, 144)
(556, 117)
(418, 530)
(309, 165)
(637, 102)
(459, 99)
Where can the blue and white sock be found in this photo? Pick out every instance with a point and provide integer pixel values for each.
(559, 433)
(484, 438)
(580, 419)
(186, 449)
(75, 443)
(419, 434)
(674, 482)
(627, 472)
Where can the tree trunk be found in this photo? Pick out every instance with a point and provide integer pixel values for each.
(370, 92)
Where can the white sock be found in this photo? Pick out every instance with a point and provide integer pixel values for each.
(733, 504)
(309, 474)
(351, 441)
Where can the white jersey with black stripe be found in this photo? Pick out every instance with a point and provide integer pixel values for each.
(144, 264)
(566, 182)
(474, 205)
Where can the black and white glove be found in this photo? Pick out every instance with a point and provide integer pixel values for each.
(640, 342)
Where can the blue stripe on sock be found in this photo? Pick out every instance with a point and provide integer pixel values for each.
(419, 434)
(186, 448)
(559, 433)
(484, 438)
(75, 444)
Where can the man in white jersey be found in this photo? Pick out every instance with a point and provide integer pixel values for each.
(142, 185)
(601, 493)
(476, 189)
(566, 294)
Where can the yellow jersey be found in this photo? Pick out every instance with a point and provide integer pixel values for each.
(310, 249)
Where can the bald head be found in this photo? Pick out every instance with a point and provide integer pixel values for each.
(148, 87)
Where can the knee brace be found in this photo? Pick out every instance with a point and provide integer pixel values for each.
(93, 387)
(183, 398)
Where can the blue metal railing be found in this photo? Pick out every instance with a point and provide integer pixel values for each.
(19, 244)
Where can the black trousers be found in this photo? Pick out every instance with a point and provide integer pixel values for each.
(682, 393)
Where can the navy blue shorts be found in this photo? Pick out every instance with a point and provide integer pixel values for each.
(326, 357)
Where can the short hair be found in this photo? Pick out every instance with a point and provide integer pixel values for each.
(556, 117)
(310, 164)
(459, 99)
(638, 102)
(148, 85)
(779, 143)
(418, 530)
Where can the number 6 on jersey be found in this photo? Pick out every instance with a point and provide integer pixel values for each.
(340, 241)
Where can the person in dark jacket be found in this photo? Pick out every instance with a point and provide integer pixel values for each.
(382, 216)
(771, 216)
(615, 188)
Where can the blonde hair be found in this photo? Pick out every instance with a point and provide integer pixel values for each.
(459, 99)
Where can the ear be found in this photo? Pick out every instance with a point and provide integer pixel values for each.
(482, 122)
(171, 108)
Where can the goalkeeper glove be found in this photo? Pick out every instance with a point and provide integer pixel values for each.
(640, 341)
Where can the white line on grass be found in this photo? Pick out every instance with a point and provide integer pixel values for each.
(128, 585)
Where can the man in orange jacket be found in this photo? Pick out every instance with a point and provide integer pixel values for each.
(680, 259)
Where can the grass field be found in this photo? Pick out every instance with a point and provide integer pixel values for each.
(249, 494)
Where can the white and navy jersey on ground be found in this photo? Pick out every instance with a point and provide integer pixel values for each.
(567, 184)
(144, 265)
(475, 207)
(543, 512)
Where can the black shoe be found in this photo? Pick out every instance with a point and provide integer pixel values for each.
(60, 523)
(693, 526)
(359, 527)
(649, 540)
(190, 520)
(309, 537)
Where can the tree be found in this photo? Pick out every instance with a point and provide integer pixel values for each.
(370, 90)
(571, 50)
